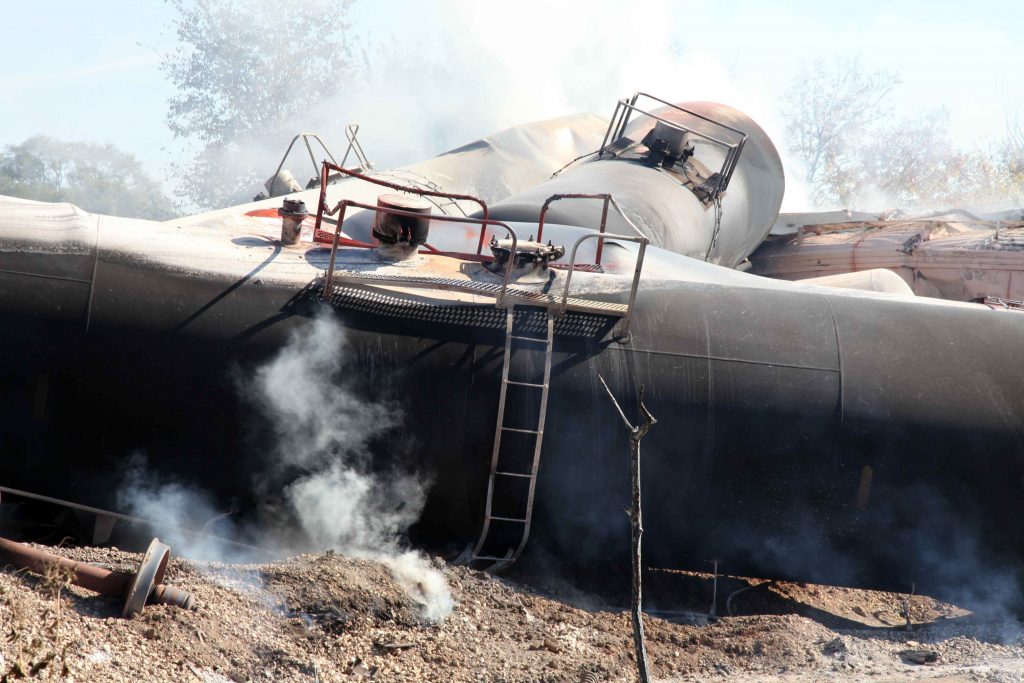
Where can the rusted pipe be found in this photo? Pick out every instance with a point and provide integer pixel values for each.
(292, 213)
(135, 589)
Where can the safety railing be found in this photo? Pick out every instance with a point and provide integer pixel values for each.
(624, 110)
(322, 203)
(306, 137)
(354, 146)
(560, 303)
(623, 326)
(351, 133)
(604, 216)
(638, 238)
(341, 207)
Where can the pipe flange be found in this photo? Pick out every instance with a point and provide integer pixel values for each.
(293, 208)
(151, 572)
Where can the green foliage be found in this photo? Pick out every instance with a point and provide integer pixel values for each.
(98, 178)
(246, 73)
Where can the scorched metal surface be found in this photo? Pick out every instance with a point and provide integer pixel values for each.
(805, 432)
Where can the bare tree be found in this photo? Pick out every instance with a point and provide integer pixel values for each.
(839, 124)
(914, 164)
(636, 516)
(903, 164)
(828, 108)
(1012, 148)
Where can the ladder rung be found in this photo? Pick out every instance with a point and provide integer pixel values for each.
(529, 339)
(525, 384)
(521, 431)
(510, 519)
(490, 557)
(515, 474)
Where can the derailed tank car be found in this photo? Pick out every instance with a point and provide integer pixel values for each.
(807, 432)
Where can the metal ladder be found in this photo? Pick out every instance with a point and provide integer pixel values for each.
(500, 471)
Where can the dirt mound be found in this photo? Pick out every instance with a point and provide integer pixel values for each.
(330, 618)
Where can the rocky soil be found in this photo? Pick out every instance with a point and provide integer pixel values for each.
(329, 618)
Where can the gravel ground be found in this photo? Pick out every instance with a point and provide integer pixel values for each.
(329, 618)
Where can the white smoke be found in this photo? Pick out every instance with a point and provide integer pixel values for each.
(434, 76)
(338, 501)
(187, 518)
(316, 415)
(324, 427)
(372, 512)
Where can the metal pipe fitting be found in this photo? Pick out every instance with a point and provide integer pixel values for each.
(292, 213)
(145, 585)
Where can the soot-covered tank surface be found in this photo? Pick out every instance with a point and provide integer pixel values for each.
(773, 399)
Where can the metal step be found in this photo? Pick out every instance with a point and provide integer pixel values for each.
(521, 431)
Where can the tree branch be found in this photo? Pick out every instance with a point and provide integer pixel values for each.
(636, 517)
(625, 421)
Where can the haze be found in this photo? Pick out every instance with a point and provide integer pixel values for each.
(460, 69)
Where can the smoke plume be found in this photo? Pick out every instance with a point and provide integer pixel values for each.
(323, 428)
(187, 517)
(335, 497)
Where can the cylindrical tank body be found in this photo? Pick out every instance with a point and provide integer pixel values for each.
(817, 436)
(820, 436)
(399, 236)
(663, 208)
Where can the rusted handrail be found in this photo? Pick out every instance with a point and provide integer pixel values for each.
(341, 207)
(327, 167)
(604, 216)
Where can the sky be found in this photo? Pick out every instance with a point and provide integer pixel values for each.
(450, 71)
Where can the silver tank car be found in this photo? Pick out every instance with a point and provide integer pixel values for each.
(700, 179)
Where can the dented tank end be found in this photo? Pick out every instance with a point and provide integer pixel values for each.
(667, 189)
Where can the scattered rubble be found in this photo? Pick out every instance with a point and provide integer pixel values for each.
(328, 618)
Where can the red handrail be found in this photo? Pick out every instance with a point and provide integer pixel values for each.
(327, 166)
(341, 206)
